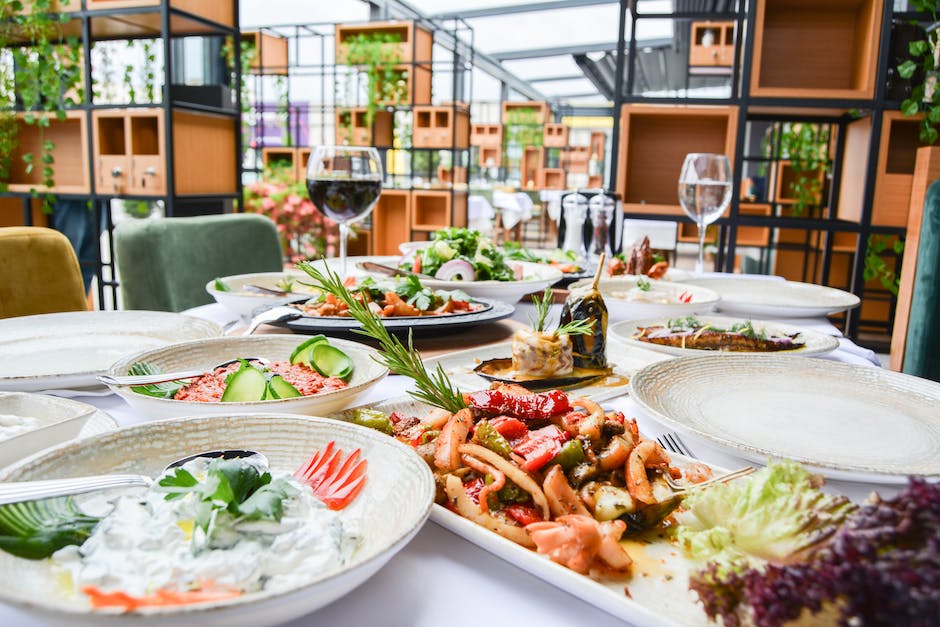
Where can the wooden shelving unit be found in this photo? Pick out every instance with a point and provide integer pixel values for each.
(551, 178)
(803, 49)
(351, 128)
(654, 140)
(391, 221)
(72, 173)
(433, 210)
(556, 136)
(712, 44)
(270, 52)
(284, 155)
(441, 127)
(539, 115)
(486, 135)
(414, 45)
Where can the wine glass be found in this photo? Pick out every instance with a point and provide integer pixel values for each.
(344, 182)
(704, 193)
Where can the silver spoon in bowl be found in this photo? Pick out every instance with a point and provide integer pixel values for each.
(163, 377)
(19, 491)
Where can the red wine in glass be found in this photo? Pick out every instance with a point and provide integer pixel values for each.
(344, 201)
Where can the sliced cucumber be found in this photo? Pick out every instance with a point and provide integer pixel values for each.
(247, 384)
(330, 361)
(279, 387)
(301, 354)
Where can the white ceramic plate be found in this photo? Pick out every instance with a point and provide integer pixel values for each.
(243, 302)
(208, 353)
(658, 587)
(782, 299)
(625, 360)
(68, 350)
(56, 420)
(850, 422)
(662, 299)
(392, 507)
(814, 342)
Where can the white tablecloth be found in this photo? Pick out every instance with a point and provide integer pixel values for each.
(515, 207)
(440, 579)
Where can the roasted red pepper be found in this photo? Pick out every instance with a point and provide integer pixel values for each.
(510, 428)
(540, 447)
(526, 406)
(523, 514)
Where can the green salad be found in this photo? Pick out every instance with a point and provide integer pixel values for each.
(461, 254)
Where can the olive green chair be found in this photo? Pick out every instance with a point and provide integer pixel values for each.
(922, 346)
(39, 273)
(164, 264)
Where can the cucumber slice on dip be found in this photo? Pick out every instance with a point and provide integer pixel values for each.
(330, 361)
(279, 387)
(301, 354)
(247, 384)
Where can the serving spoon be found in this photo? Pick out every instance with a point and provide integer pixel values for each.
(381, 268)
(19, 491)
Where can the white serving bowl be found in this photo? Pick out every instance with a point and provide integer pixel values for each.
(536, 277)
(208, 353)
(58, 420)
(394, 504)
(662, 299)
(242, 302)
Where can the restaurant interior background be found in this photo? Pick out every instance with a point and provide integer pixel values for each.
(475, 98)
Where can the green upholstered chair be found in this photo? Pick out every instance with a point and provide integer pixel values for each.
(39, 273)
(922, 347)
(164, 264)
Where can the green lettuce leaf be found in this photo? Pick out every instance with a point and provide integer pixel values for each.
(772, 515)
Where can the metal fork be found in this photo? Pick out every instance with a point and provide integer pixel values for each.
(674, 444)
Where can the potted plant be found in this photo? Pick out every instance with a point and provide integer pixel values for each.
(377, 54)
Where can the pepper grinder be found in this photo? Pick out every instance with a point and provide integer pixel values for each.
(575, 207)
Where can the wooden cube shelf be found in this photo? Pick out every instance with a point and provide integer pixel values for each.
(533, 160)
(141, 23)
(490, 156)
(486, 135)
(351, 128)
(654, 141)
(555, 136)
(203, 145)
(786, 176)
(440, 127)
(70, 137)
(757, 236)
(111, 150)
(412, 86)
(451, 176)
(270, 52)
(513, 110)
(576, 159)
(719, 51)
(303, 156)
(894, 174)
(808, 49)
(551, 178)
(11, 212)
(432, 210)
(598, 144)
(391, 221)
(147, 148)
(279, 157)
(595, 181)
(415, 42)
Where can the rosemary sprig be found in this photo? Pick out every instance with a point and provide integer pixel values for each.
(434, 388)
(543, 304)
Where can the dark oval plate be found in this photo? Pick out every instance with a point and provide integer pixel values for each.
(419, 325)
(500, 370)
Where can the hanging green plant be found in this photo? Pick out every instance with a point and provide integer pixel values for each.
(523, 127)
(875, 265)
(806, 148)
(43, 79)
(376, 55)
(925, 97)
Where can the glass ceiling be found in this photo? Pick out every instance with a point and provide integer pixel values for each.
(521, 40)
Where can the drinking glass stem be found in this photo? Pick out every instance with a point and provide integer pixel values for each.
(700, 262)
(343, 236)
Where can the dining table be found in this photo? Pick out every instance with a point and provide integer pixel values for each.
(440, 578)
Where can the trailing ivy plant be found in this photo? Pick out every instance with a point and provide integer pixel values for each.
(875, 265)
(806, 147)
(376, 54)
(42, 76)
(925, 96)
(246, 55)
(523, 127)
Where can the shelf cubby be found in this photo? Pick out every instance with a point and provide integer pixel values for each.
(111, 23)
(654, 140)
(555, 136)
(270, 52)
(391, 221)
(432, 210)
(440, 127)
(417, 86)
(146, 138)
(490, 156)
(805, 49)
(489, 135)
(533, 160)
(451, 176)
(786, 177)
(203, 145)
(539, 114)
(70, 137)
(415, 41)
(551, 178)
(303, 156)
(110, 150)
(719, 52)
(351, 128)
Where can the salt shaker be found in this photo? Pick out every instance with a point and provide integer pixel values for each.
(575, 207)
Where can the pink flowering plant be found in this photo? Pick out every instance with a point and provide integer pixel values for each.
(305, 232)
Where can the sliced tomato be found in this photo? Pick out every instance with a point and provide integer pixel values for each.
(540, 447)
(510, 428)
(416, 264)
(523, 514)
(336, 479)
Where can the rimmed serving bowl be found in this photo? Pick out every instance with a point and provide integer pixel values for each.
(390, 510)
(57, 420)
(207, 353)
(243, 301)
(626, 301)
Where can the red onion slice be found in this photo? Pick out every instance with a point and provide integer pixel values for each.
(456, 270)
